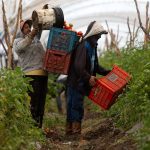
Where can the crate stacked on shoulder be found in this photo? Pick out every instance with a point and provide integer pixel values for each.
(60, 44)
(107, 88)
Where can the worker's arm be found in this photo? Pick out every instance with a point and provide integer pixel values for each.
(21, 43)
(80, 64)
(99, 69)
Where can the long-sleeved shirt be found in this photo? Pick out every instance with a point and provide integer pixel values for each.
(30, 53)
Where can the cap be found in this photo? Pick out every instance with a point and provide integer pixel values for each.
(22, 23)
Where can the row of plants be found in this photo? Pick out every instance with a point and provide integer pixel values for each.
(133, 106)
(17, 130)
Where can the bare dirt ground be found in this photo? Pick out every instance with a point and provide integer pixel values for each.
(97, 134)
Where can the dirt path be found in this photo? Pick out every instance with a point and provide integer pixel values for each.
(97, 134)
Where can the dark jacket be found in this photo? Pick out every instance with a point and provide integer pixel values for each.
(80, 70)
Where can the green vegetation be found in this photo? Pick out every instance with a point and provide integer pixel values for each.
(17, 129)
(133, 106)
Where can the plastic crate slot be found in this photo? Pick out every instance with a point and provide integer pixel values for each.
(113, 77)
(62, 40)
(57, 61)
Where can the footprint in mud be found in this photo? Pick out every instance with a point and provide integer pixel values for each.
(104, 136)
(100, 130)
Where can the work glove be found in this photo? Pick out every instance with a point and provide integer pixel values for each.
(33, 32)
(92, 80)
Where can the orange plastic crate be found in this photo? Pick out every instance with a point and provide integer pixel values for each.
(57, 61)
(107, 88)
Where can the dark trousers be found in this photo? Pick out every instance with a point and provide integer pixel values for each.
(75, 110)
(38, 96)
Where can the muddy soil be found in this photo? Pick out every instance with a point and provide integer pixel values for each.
(97, 134)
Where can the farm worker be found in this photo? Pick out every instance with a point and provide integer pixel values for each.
(81, 76)
(30, 58)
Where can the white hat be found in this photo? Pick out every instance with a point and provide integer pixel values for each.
(97, 28)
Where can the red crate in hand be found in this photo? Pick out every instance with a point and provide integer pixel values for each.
(57, 61)
(107, 88)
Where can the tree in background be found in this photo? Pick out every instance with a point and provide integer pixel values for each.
(9, 39)
(132, 34)
(145, 29)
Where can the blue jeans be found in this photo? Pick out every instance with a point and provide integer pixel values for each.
(75, 110)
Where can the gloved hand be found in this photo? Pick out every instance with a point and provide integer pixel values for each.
(33, 32)
(92, 80)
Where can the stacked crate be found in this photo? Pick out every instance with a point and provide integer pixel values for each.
(107, 88)
(60, 45)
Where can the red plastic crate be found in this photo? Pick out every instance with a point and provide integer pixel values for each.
(57, 61)
(107, 88)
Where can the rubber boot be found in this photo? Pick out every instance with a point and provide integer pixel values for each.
(69, 128)
(76, 130)
(76, 127)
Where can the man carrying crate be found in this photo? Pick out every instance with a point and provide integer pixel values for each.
(81, 76)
